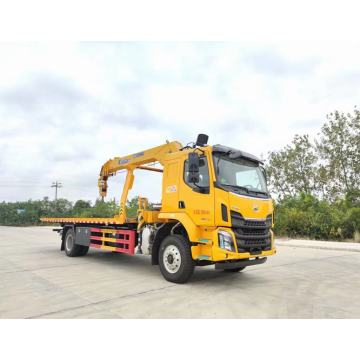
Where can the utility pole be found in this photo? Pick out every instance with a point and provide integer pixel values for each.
(56, 185)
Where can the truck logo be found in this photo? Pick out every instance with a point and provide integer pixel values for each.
(171, 189)
(255, 208)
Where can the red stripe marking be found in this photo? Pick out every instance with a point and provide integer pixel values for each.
(95, 246)
(128, 241)
(122, 250)
(125, 232)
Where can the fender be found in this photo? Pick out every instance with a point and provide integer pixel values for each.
(186, 221)
(191, 229)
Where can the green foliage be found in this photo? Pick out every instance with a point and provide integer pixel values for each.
(307, 216)
(25, 213)
(351, 222)
(328, 168)
(132, 207)
(317, 185)
(291, 170)
(339, 150)
(29, 212)
(80, 206)
(101, 208)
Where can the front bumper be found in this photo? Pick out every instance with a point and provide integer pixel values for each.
(219, 254)
(239, 263)
(210, 250)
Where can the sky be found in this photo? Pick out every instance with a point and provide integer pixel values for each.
(66, 108)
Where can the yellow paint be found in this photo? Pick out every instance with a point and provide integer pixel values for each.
(201, 216)
(92, 221)
(106, 247)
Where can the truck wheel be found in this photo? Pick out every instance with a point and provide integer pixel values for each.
(84, 250)
(175, 260)
(238, 269)
(72, 249)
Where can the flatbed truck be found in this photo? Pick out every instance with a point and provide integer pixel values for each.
(215, 209)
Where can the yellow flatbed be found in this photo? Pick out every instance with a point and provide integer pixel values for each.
(77, 220)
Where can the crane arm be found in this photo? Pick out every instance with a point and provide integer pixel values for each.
(133, 161)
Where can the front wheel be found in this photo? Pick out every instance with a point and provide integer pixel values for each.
(175, 260)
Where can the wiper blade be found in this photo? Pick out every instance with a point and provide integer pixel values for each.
(259, 192)
(238, 187)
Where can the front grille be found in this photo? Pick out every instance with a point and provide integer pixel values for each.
(251, 235)
(254, 223)
(252, 231)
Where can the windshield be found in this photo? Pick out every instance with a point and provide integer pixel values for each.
(241, 174)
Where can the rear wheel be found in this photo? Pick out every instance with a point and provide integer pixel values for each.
(72, 249)
(238, 269)
(84, 250)
(175, 260)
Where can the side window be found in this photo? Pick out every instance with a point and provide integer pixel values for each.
(203, 174)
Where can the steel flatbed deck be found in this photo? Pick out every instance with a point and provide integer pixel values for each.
(78, 220)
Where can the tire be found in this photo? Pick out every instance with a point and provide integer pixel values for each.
(175, 260)
(72, 249)
(84, 250)
(238, 269)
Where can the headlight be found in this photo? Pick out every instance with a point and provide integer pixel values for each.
(226, 241)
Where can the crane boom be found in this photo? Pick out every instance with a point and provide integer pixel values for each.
(130, 163)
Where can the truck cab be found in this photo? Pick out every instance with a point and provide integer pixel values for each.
(219, 195)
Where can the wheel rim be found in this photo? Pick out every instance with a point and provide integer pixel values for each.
(69, 242)
(172, 259)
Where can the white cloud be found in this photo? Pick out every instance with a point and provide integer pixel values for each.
(66, 108)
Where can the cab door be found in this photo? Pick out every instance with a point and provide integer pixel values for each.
(197, 200)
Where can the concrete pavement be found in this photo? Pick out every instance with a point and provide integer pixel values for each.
(316, 244)
(39, 281)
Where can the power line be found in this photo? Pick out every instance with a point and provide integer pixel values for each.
(56, 185)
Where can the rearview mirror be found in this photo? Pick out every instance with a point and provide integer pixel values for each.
(193, 160)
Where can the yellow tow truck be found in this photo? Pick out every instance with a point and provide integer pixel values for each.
(215, 209)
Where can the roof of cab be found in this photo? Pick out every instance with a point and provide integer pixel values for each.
(235, 153)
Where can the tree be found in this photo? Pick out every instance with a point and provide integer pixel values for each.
(132, 207)
(339, 151)
(80, 206)
(61, 207)
(292, 170)
(102, 208)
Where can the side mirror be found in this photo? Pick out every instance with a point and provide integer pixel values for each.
(194, 161)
